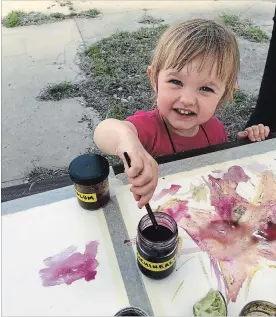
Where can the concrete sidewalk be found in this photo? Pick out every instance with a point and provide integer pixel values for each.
(48, 134)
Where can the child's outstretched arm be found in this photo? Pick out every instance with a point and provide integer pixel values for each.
(116, 137)
(255, 133)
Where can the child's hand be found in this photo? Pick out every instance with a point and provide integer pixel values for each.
(255, 133)
(142, 175)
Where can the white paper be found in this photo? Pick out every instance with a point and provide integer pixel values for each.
(29, 237)
(196, 284)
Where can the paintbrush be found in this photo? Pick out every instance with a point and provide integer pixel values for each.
(149, 210)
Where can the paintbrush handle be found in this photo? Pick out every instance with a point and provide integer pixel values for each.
(127, 159)
(149, 210)
(151, 215)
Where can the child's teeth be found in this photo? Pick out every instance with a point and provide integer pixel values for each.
(184, 111)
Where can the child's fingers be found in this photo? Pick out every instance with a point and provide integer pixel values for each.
(242, 135)
(143, 190)
(250, 134)
(256, 135)
(144, 178)
(261, 132)
(144, 200)
(136, 168)
(267, 130)
(136, 197)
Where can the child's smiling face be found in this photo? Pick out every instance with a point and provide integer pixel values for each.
(189, 97)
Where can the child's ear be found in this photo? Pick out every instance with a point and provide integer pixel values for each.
(152, 80)
(230, 95)
(149, 71)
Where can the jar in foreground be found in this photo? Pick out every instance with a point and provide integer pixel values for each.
(131, 311)
(89, 172)
(157, 249)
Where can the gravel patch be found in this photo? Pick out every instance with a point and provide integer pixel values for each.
(236, 114)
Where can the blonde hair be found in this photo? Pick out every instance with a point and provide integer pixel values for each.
(199, 38)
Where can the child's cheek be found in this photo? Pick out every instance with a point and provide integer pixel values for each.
(164, 104)
(208, 110)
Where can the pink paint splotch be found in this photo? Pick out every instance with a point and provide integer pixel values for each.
(239, 234)
(172, 191)
(70, 266)
(177, 210)
(236, 175)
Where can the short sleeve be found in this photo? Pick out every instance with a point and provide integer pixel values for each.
(223, 133)
(216, 131)
(145, 124)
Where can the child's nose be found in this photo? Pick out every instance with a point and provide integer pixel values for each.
(187, 96)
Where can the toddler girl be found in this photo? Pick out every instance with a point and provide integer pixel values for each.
(193, 71)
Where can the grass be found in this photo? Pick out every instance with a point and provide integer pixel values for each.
(13, 19)
(57, 15)
(39, 174)
(117, 110)
(59, 91)
(148, 19)
(113, 160)
(234, 115)
(115, 67)
(100, 64)
(90, 13)
(21, 18)
(244, 28)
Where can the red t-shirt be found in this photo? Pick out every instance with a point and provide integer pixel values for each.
(153, 135)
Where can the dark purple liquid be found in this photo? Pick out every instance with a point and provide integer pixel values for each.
(155, 257)
(159, 235)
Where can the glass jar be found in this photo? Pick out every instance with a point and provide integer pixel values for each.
(89, 172)
(157, 249)
(131, 311)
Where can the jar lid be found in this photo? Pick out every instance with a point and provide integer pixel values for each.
(89, 169)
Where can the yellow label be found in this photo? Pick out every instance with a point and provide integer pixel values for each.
(180, 243)
(155, 267)
(87, 198)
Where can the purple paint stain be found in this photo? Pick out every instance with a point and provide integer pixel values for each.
(68, 267)
(130, 242)
(229, 236)
(224, 206)
(59, 257)
(178, 211)
(236, 175)
(214, 264)
(222, 202)
(172, 190)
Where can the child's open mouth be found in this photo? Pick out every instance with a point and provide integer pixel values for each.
(183, 112)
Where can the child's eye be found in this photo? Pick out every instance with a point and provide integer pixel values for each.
(207, 89)
(175, 82)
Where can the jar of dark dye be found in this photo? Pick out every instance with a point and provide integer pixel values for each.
(157, 249)
(131, 311)
(89, 172)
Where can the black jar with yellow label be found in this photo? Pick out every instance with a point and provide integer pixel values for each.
(157, 249)
(89, 172)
